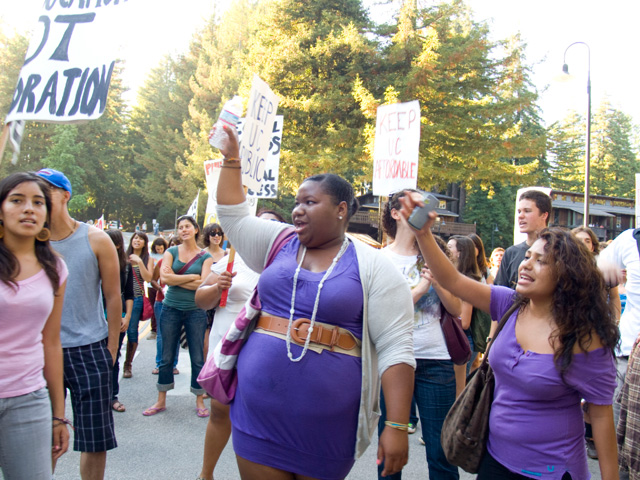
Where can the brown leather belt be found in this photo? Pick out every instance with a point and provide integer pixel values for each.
(323, 337)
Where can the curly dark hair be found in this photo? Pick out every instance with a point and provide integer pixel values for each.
(580, 304)
(47, 258)
(388, 222)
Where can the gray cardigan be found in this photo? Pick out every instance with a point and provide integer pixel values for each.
(387, 334)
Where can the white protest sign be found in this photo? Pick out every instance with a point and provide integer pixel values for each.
(254, 147)
(396, 147)
(269, 185)
(67, 70)
(211, 174)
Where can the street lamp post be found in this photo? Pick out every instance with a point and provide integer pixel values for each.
(587, 157)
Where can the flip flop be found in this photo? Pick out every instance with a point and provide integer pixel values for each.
(153, 411)
(117, 406)
(202, 412)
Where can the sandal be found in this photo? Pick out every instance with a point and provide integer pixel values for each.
(153, 411)
(117, 406)
(202, 412)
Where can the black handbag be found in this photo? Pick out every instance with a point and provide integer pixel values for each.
(466, 426)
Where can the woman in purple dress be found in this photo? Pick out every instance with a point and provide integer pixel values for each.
(556, 348)
(336, 317)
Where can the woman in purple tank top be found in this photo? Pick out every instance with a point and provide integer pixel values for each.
(555, 349)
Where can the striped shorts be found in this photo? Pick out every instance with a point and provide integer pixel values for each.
(87, 375)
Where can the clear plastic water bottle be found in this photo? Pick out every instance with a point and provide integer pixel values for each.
(230, 115)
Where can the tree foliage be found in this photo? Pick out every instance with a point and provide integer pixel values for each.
(613, 158)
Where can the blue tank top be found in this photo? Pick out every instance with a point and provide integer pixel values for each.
(83, 320)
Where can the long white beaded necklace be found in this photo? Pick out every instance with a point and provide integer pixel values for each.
(343, 249)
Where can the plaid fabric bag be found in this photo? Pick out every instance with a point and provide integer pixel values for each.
(219, 376)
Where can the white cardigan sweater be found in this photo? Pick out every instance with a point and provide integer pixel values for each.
(387, 333)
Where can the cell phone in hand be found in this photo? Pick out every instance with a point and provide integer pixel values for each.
(420, 215)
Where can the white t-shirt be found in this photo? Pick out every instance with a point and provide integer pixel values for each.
(428, 340)
(623, 253)
(241, 289)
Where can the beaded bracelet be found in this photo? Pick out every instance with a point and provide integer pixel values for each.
(398, 426)
(231, 166)
(63, 421)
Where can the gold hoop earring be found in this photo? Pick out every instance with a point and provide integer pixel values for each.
(1, 229)
(44, 234)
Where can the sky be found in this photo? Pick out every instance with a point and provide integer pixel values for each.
(548, 27)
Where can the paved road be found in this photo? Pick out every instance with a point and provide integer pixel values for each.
(169, 445)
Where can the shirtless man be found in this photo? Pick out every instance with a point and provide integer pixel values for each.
(89, 341)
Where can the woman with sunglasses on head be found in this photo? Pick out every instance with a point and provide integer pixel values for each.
(183, 269)
(554, 349)
(33, 430)
(142, 271)
(317, 399)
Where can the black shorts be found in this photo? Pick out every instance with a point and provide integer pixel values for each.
(87, 375)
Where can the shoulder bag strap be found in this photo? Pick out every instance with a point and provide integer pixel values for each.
(281, 240)
(502, 323)
(190, 262)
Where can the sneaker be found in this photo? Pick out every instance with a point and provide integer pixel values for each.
(421, 440)
(152, 335)
(412, 428)
(591, 449)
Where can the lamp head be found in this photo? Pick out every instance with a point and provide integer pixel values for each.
(565, 69)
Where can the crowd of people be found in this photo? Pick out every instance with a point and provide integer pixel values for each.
(344, 332)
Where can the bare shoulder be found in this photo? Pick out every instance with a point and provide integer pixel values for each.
(99, 241)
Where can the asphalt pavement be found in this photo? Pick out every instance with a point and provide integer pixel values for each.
(168, 446)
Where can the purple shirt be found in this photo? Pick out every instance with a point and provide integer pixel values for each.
(536, 427)
(301, 417)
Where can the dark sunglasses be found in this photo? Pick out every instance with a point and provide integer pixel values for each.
(215, 234)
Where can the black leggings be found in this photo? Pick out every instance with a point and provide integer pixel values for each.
(491, 469)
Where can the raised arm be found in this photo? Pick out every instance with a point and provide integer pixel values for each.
(230, 189)
(476, 293)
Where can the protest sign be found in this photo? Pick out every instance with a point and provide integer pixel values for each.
(254, 147)
(269, 185)
(67, 70)
(193, 209)
(211, 175)
(396, 147)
